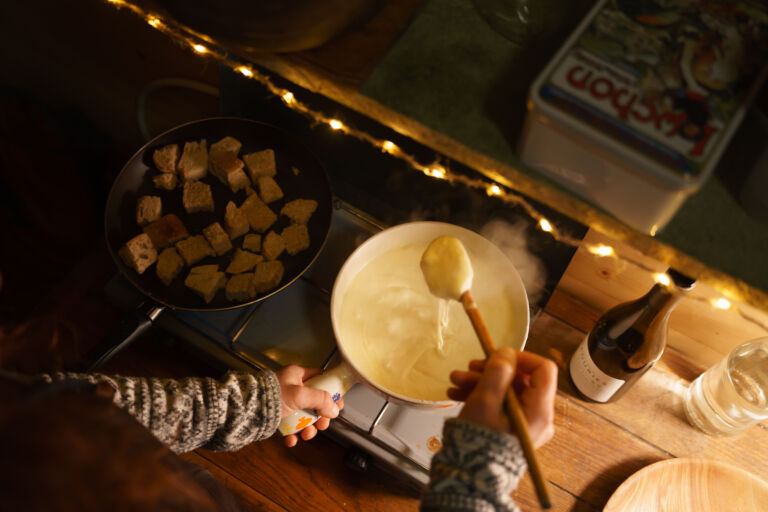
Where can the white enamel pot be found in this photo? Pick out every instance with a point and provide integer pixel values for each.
(495, 275)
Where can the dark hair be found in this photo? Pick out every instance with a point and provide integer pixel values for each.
(77, 451)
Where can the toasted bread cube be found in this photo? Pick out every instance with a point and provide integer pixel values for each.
(299, 210)
(269, 190)
(166, 181)
(206, 284)
(169, 264)
(193, 164)
(267, 275)
(138, 253)
(194, 249)
(204, 269)
(252, 242)
(148, 210)
(243, 261)
(197, 197)
(240, 287)
(261, 163)
(238, 180)
(165, 158)
(166, 231)
(296, 238)
(235, 221)
(226, 145)
(223, 163)
(218, 238)
(259, 215)
(273, 246)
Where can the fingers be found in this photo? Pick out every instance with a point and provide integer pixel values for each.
(317, 399)
(477, 365)
(291, 440)
(308, 433)
(294, 374)
(496, 378)
(538, 397)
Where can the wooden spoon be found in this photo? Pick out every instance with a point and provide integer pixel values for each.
(448, 272)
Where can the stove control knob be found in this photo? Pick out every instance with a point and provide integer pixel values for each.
(357, 460)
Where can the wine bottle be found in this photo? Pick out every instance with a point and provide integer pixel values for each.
(626, 342)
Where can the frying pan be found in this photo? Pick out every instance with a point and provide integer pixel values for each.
(299, 175)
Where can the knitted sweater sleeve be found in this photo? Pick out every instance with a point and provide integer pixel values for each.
(190, 413)
(476, 470)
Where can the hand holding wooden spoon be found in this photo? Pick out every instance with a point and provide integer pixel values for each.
(448, 272)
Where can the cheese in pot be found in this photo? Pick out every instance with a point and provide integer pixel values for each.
(390, 325)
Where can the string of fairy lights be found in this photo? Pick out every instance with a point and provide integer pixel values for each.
(205, 47)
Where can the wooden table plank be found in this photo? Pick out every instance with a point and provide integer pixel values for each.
(250, 499)
(652, 409)
(590, 456)
(703, 333)
(313, 476)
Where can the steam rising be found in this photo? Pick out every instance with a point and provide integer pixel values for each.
(511, 239)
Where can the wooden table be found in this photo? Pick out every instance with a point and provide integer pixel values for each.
(595, 447)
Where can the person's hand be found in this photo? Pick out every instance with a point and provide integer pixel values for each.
(296, 395)
(484, 386)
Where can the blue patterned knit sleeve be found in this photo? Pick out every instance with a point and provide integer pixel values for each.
(476, 470)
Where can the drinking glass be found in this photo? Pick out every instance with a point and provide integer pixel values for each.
(523, 21)
(733, 394)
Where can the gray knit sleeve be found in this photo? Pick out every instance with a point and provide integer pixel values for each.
(191, 413)
(476, 470)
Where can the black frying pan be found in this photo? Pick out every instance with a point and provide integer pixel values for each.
(135, 180)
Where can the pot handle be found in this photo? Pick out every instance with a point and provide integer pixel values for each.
(129, 329)
(335, 381)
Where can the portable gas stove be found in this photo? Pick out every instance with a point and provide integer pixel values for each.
(294, 327)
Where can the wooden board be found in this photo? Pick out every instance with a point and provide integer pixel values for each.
(652, 409)
(249, 498)
(703, 333)
(313, 476)
(690, 484)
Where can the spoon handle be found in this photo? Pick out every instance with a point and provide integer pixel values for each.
(513, 409)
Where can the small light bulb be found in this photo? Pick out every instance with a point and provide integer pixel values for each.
(601, 250)
(662, 278)
(154, 22)
(545, 225)
(721, 303)
(199, 48)
(245, 71)
(288, 97)
(494, 190)
(389, 146)
(436, 172)
(335, 124)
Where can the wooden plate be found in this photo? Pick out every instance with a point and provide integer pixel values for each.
(690, 484)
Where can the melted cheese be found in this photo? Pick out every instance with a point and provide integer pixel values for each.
(390, 325)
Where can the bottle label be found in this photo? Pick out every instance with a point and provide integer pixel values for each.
(590, 380)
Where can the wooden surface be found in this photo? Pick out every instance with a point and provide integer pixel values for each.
(596, 447)
(102, 66)
(690, 484)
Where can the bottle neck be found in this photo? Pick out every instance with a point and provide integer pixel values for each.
(652, 322)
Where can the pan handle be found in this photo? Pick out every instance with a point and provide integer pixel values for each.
(130, 328)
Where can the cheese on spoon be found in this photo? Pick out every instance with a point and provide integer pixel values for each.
(447, 268)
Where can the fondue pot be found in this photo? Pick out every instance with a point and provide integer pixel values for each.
(487, 260)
